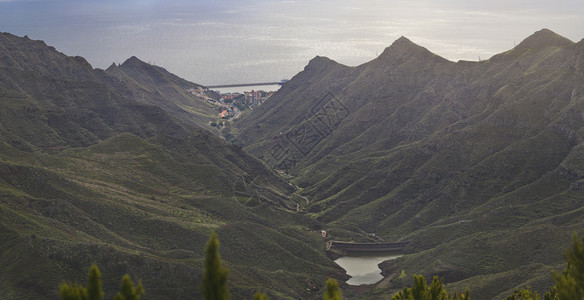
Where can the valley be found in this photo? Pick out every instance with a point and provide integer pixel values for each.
(468, 159)
(120, 170)
(474, 168)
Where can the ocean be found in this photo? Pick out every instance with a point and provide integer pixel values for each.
(229, 41)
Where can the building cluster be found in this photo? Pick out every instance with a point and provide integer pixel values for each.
(230, 105)
(250, 98)
(256, 98)
(201, 92)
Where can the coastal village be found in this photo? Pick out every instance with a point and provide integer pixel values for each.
(231, 105)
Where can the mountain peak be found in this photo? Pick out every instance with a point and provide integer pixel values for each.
(320, 59)
(404, 41)
(133, 61)
(543, 38)
(404, 47)
(320, 62)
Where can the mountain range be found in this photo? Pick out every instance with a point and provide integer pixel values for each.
(480, 163)
(120, 168)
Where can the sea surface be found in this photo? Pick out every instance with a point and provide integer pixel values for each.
(241, 89)
(241, 41)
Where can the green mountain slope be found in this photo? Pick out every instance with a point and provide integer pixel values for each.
(476, 161)
(90, 173)
(155, 85)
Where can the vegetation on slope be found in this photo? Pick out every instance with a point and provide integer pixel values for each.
(91, 174)
(479, 162)
(568, 285)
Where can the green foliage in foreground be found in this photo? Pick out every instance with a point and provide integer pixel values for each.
(94, 289)
(526, 294)
(260, 296)
(568, 284)
(129, 291)
(421, 291)
(94, 284)
(78, 292)
(332, 291)
(215, 275)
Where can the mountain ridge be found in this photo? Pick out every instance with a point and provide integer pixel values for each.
(117, 168)
(544, 38)
(170, 92)
(477, 162)
(404, 48)
(36, 54)
(440, 153)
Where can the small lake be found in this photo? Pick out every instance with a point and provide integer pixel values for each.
(363, 268)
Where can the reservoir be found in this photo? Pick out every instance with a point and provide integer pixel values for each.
(363, 268)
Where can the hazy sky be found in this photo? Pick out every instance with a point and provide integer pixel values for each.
(214, 42)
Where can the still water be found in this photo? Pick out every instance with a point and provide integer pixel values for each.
(363, 268)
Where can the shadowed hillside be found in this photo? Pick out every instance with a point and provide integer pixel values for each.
(91, 172)
(155, 85)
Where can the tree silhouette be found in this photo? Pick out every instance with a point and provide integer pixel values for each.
(421, 291)
(524, 294)
(215, 275)
(128, 290)
(73, 292)
(569, 284)
(94, 288)
(94, 284)
(78, 292)
(260, 296)
(332, 291)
